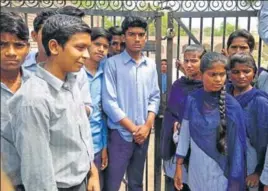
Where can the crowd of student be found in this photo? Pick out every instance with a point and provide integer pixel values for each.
(76, 115)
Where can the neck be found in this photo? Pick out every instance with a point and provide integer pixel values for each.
(12, 79)
(92, 66)
(197, 76)
(41, 57)
(53, 68)
(238, 91)
(135, 55)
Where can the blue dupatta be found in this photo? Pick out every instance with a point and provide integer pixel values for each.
(233, 164)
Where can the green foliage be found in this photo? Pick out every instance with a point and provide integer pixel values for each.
(219, 31)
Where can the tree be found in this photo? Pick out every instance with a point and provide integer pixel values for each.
(219, 31)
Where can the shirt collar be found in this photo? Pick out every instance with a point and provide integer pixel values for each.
(55, 82)
(25, 75)
(30, 59)
(128, 59)
(98, 73)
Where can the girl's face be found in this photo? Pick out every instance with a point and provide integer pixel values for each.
(191, 64)
(214, 78)
(242, 75)
(238, 45)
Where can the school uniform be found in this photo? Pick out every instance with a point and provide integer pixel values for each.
(51, 133)
(130, 90)
(9, 156)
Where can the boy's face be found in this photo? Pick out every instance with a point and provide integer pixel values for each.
(73, 55)
(13, 51)
(135, 38)
(99, 49)
(116, 43)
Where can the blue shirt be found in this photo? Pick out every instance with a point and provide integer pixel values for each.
(164, 82)
(97, 121)
(130, 90)
(9, 155)
(30, 62)
(51, 132)
(263, 22)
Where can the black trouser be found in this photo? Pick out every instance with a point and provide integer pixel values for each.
(80, 187)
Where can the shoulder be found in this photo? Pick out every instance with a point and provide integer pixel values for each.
(32, 93)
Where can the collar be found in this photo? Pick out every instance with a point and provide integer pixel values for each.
(52, 80)
(30, 59)
(128, 59)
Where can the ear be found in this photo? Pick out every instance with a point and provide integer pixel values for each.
(34, 36)
(54, 47)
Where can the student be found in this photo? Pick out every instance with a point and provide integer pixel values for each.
(34, 57)
(51, 130)
(117, 45)
(240, 41)
(14, 46)
(98, 50)
(130, 99)
(264, 175)
(255, 105)
(175, 108)
(214, 129)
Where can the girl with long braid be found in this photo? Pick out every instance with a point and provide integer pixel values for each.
(255, 105)
(214, 129)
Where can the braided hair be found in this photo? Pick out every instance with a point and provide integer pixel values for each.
(207, 62)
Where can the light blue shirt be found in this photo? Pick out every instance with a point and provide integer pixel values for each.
(9, 155)
(130, 90)
(51, 132)
(30, 62)
(164, 82)
(263, 22)
(97, 118)
(264, 175)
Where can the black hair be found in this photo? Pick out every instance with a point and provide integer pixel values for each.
(195, 48)
(206, 62)
(41, 17)
(13, 23)
(164, 60)
(97, 32)
(242, 33)
(115, 31)
(134, 21)
(243, 58)
(72, 11)
(61, 27)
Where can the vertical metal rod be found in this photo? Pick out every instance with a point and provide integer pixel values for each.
(178, 49)
(190, 29)
(201, 30)
(259, 52)
(249, 23)
(102, 21)
(158, 121)
(224, 32)
(212, 34)
(92, 20)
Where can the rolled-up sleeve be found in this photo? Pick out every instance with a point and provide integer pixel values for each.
(263, 22)
(109, 94)
(184, 137)
(30, 124)
(154, 99)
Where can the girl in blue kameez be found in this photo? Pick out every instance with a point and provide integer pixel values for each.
(214, 129)
(255, 105)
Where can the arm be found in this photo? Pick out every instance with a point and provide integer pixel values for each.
(263, 22)
(31, 127)
(93, 181)
(181, 152)
(109, 99)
